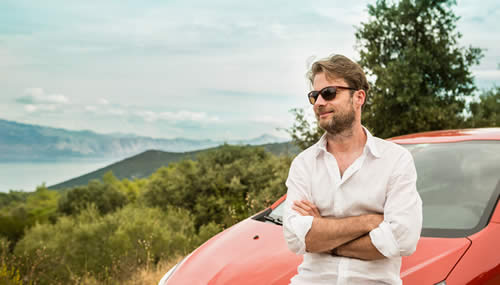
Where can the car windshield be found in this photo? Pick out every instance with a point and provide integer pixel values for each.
(459, 184)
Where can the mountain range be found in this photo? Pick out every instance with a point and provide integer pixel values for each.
(32, 143)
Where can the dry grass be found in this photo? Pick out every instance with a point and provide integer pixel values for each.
(152, 275)
(142, 276)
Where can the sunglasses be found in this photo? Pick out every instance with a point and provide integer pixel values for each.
(328, 93)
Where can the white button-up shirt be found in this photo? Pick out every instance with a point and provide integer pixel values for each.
(383, 181)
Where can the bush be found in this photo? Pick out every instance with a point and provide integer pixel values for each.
(9, 274)
(108, 248)
(223, 186)
(105, 196)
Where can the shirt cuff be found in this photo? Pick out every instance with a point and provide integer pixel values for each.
(300, 226)
(383, 239)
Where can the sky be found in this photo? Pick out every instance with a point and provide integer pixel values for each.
(218, 70)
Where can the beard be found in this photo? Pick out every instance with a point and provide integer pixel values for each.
(339, 122)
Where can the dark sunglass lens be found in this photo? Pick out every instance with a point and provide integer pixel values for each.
(329, 93)
(313, 95)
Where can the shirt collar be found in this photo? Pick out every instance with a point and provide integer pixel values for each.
(370, 144)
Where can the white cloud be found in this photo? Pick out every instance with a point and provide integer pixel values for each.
(103, 101)
(147, 116)
(180, 116)
(92, 109)
(116, 111)
(44, 107)
(30, 108)
(38, 96)
(36, 99)
(491, 74)
(273, 120)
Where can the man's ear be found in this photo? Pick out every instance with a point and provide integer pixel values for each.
(359, 98)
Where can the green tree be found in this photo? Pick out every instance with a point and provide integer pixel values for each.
(23, 212)
(42, 205)
(303, 133)
(106, 196)
(421, 74)
(12, 197)
(224, 185)
(486, 111)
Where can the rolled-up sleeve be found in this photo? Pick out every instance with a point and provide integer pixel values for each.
(399, 233)
(295, 226)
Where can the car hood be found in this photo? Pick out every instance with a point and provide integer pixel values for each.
(254, 252)
(250, 252)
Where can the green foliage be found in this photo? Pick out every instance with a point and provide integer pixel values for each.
(12, 197)
(105, 247)
(12, 227)
(421, 74)
(302, 132)
(224, 185)
(274, 188)
(24, 210)
(108, 231)
(486, 111)
(207, 231)
(42, 205)
(9, 274)
(105, 195)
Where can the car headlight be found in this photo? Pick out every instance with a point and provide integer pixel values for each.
(441, 283)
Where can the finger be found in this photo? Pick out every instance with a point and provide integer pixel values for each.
(313, 208)
(303, 211)
(300, 211)
(309, 204)
(302, 205)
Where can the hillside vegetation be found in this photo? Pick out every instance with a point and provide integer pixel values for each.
(112, 231)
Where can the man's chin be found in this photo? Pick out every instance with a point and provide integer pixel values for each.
(325, 125)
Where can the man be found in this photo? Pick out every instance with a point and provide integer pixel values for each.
(352, 207)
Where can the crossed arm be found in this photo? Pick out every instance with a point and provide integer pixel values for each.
(340, 236)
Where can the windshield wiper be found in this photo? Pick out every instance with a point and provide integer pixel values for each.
(277, 221)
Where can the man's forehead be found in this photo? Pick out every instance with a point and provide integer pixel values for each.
(323, 78)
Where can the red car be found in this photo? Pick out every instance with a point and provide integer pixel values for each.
(459, 183)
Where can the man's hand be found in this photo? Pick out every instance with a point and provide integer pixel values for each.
(306, 208)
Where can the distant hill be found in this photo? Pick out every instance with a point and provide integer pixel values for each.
(32, 143)
(146, 163)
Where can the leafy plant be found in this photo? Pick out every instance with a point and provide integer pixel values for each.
(421, 75)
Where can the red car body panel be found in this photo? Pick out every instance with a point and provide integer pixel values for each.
(449, 136)
(255, 252)
(250, 252)
(495, 218)
(433, 260)
(482, 257)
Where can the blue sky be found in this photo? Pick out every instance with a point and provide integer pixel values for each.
(193, 69)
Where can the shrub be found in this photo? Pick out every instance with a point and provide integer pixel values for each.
(106, 196)
(107, 247)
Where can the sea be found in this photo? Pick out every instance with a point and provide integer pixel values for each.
(26, 176)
